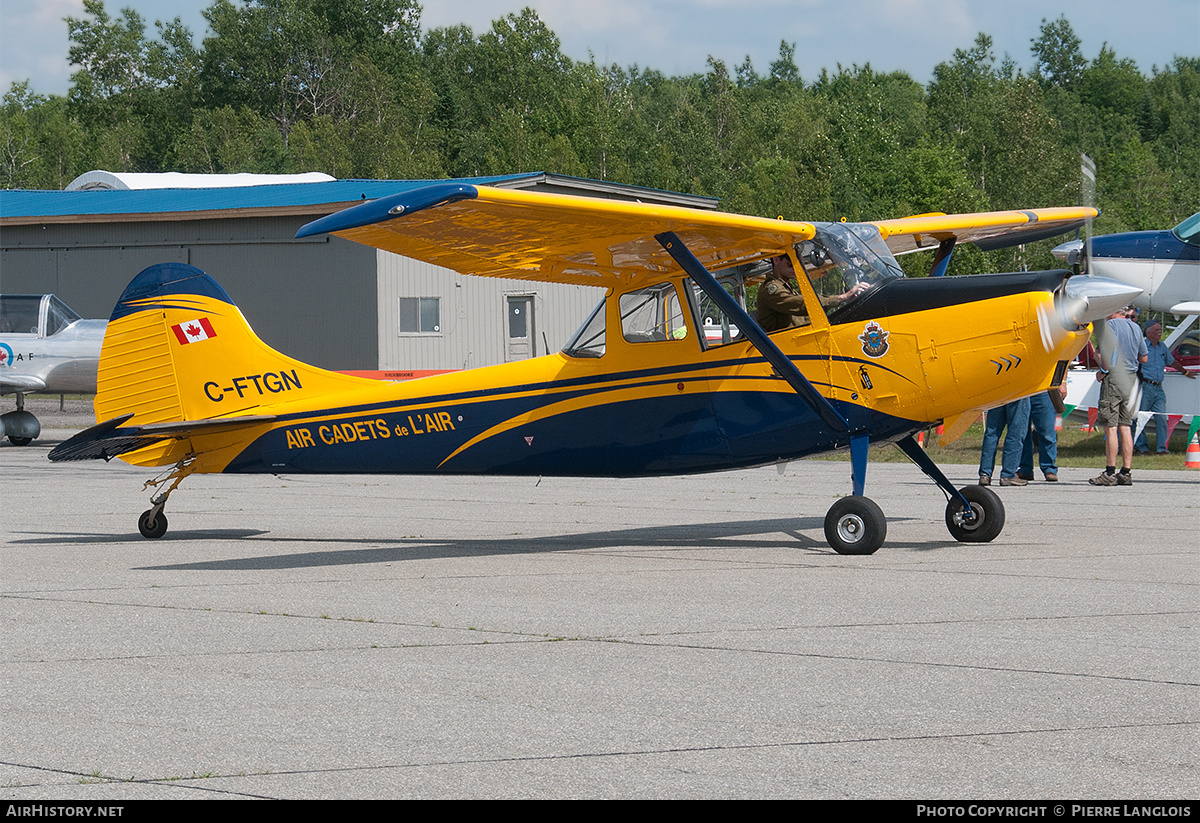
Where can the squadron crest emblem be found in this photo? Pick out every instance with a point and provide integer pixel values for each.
(874, 340)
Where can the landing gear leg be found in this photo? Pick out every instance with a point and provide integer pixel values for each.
(855, 524)
(153, 522)
(974, 514)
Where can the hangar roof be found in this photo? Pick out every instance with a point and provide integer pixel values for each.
(25, 207)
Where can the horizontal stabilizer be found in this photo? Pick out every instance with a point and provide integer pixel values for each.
(110, 439)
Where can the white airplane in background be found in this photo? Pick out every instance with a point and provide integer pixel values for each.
(1165, 265)
(44, 347)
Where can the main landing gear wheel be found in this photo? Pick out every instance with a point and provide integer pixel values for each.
(152, 523)
(20, 441)
(989, 516)
(855, 525)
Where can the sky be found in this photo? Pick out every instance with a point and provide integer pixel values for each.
(676, 37)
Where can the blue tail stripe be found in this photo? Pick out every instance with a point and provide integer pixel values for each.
(164, 280)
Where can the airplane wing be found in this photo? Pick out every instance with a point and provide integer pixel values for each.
(10, 383)
(987, 230)
(555, 238)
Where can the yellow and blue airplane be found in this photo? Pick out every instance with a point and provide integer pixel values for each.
(668, 375)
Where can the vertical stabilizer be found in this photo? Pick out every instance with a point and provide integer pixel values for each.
(178, 349)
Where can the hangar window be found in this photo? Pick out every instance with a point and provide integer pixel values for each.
(420, 315)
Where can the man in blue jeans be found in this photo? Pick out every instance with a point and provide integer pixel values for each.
(1043, 436)
(1014, 416)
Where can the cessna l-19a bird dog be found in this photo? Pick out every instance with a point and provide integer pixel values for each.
(44, 347)
(668, 375)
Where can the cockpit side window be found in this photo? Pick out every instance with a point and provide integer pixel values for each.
(19, 313)
(652, 315)
(589, 341)
(715, 326)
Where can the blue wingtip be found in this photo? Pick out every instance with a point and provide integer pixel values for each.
(388, 208)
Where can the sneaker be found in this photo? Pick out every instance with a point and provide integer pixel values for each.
(1013, 481)
(1051, 477)
(985, 480)
(1124, 479)
(1025, 477)
(1142, 453)
(1162, 453)
(1104, 479)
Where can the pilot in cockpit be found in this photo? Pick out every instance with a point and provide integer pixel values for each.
(780, 304)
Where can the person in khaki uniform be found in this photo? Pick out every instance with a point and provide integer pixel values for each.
(780, 304)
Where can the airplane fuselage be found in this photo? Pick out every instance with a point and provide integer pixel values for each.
(915, 352)
(1163, 266)
(64, 363)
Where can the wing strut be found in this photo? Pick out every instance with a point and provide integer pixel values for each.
(754, 332)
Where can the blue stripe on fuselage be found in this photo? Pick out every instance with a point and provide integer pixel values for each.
(692, 432)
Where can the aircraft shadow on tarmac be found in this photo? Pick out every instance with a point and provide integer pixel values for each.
(782, 533)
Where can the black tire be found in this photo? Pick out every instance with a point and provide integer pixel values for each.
(989, 516)
(855, 525)
(20, 441)
(152, 526)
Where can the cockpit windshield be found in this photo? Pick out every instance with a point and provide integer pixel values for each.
(58, 315)
(1189, 230)
(845, 261)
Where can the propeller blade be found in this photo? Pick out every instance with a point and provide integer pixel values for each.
(1087, 193)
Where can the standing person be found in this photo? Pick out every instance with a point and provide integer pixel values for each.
(1043, 436)
(1154, 399)
(1122, 350)
(1015, 416)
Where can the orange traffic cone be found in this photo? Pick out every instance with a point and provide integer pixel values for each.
(1192, 461)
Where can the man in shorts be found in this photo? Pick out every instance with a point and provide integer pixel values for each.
(1122, 350)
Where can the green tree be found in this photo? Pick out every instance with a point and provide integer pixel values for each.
(1059, 59)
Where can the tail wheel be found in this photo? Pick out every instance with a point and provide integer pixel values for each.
(855, 525)
(989, 516)
(152, 523)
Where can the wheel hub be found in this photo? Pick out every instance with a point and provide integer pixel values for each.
(851, 528)
(967, 521)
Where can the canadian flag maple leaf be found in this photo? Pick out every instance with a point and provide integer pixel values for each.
(193, 331)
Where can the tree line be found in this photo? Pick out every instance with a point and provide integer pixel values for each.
(355, 89)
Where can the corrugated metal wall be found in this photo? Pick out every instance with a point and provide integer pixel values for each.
(322, 300)
(312, 299)
(474, 314)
